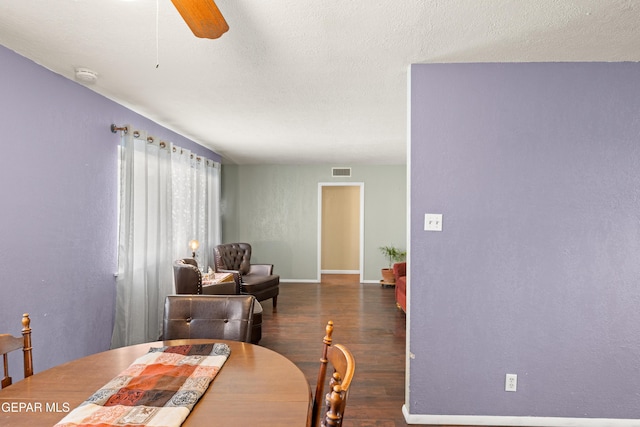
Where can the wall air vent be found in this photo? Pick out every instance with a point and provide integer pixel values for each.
(341, 172)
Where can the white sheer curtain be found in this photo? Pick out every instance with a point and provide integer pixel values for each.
(167, 198)
(195, 180)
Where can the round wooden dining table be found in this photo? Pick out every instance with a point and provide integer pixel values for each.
(255, 387)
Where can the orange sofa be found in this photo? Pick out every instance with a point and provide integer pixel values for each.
(400, 273)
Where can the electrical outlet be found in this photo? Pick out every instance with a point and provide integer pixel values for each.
(511, 382)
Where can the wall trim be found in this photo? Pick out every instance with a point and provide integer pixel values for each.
(482, 420)
(367, 282)
(339, 271)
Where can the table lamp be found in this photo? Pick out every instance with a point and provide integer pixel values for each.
(194, 245)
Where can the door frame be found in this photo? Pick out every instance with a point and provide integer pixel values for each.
(361, 240)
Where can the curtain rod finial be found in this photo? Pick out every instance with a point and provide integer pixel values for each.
(115, 129)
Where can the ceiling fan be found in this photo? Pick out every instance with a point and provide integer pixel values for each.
(203, 17)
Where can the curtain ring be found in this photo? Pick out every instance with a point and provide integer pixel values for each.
(162, 144)
(136, 134)
(150, 140)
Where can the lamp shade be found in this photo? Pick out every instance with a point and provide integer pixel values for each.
(194, 245)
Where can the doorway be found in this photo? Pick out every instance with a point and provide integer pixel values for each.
(340, 229)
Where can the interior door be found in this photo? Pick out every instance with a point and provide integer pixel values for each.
(341, 229)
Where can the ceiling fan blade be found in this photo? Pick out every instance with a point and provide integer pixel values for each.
(203, 17)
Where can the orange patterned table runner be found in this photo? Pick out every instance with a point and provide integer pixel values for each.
(158, 389)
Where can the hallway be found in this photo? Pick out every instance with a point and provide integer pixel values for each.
(366, 320)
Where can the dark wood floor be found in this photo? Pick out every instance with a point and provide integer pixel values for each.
(366, 320)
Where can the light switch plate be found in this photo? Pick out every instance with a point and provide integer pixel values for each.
(433, 222)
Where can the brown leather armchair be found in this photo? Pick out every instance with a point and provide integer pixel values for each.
(254, 279)
(188, 280)
(208, 316)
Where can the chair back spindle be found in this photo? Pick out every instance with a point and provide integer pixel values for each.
(328, 409)
(9, 343)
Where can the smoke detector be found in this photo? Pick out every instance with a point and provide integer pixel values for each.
(86, 75)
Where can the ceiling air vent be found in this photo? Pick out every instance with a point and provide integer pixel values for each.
(340, 172)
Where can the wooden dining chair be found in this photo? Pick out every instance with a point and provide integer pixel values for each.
(328, 409)
(9, 343)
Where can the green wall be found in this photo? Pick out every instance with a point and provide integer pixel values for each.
(275, 208)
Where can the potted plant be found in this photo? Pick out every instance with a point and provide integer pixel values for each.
(393, 255)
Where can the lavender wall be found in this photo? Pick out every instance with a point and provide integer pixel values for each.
(58, 217)
(536, 169)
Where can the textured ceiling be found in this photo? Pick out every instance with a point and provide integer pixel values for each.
(299, 81)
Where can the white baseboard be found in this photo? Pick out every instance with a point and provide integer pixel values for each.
(479, 420)
(377, 282)
(339, 271)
